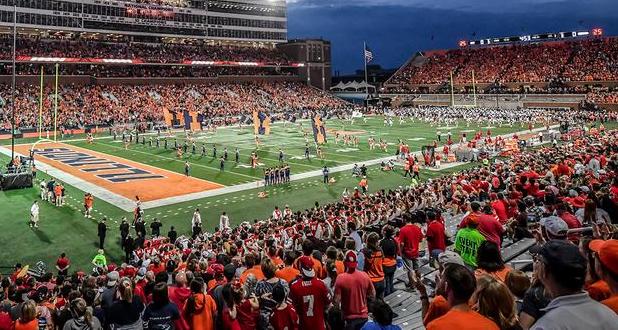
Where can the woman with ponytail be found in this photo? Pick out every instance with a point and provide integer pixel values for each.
(81, 317)
(126, 311)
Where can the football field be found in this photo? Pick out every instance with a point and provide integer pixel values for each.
(173, 197)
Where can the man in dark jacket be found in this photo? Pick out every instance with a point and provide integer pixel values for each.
(101, 232)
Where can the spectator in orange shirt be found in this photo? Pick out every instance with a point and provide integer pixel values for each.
(252, 269)
(489, 262)
(317, 264)
(200, 309)
(438, 306)
(27, 320)
(288, 273)
(595, 286)
(58, 193)
(364, 184)
(88, 203)
(497, 303)
(332, 255)
(374, 257)
(460, 285)
(606, 264)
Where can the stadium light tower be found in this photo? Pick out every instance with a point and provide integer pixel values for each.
(13, 108)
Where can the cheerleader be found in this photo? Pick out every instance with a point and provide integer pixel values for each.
(254, 160)
(319, 152)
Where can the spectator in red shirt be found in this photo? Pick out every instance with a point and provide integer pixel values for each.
(489, 226)
(410, 236)
(499, 204)
(178, 295)
(436, 236)
(475, 213)
(570, 219)
(284, 316)
(352, 291)
(310, 296)
(63, 264)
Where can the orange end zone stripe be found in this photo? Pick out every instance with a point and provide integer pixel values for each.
(118, 175)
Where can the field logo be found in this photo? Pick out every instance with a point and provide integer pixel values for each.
(109, 170)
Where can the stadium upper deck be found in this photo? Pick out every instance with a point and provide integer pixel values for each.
(586, 61)
(254, 21)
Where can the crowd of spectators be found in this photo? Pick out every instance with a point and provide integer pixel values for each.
(437, 115)
(610, 97)
(330, 266)
(171, 3)
(141, 71)
(89, 105)
(146, 52)
(584, 60)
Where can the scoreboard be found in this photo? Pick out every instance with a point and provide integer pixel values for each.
(597, 32)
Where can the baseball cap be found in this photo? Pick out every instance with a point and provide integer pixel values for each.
(608, 253)
(578, 202)
(450, 257)
(141, 272)
(555, 226)
(350, 259)
(563, 257)
(112, 278)
(306, 266)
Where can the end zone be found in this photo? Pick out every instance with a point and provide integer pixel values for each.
(113, 179)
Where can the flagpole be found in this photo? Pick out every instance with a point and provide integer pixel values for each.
(13, 86)
(366, 79)
(41, 106)
(365, 61)
(56, 105)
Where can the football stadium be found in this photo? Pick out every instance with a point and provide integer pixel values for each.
(182, 164)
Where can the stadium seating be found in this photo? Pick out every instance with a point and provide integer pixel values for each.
(80, 106)
(584, 60)
(148, 53)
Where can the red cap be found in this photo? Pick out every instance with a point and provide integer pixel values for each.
(306, 266)
(608, 253)
(350, 259)
(578, 202)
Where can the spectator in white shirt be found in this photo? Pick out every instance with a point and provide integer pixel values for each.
(224, 222)
(34, 215)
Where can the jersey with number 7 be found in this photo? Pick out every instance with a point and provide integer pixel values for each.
(311, 300)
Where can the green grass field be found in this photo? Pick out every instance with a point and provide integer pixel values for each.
(65, 228)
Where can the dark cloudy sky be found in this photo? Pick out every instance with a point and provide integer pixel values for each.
(394, 29)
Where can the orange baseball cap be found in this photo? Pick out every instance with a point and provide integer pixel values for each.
(608, 253)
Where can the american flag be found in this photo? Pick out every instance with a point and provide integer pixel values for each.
(368, 55)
